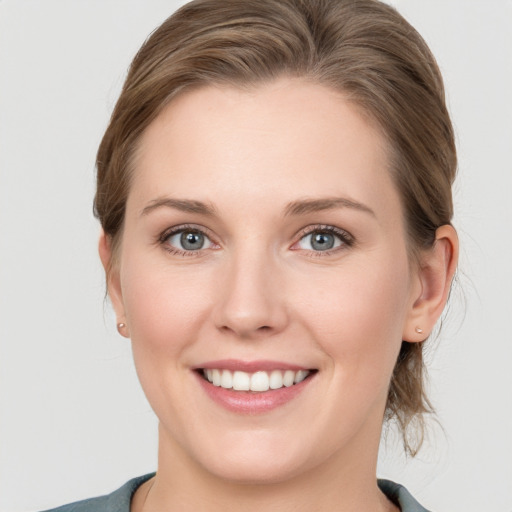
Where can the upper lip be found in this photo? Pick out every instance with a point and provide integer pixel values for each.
(249, 366)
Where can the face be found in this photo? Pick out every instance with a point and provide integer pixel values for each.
(264, 248)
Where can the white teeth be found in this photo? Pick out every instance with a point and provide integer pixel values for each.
(241, 381)
(216, 377)
(288, 378)
(300, 376)
(259, 381)
(226, 380)
(276, 380)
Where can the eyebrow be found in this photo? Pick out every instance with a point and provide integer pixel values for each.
(184, 205)
(299, 207)
(305, 206)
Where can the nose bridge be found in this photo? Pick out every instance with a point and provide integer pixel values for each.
(251, 299)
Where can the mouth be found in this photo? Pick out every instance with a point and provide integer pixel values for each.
(258, 382)
(255, 387)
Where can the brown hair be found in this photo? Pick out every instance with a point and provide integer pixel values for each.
(363, 48)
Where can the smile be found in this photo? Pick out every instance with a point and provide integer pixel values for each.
(259, 381)
(254, 387)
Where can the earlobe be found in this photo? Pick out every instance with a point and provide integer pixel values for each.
(435, 274)
(113, 282)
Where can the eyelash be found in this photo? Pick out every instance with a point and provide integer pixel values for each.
(164, 237)
(346, 238)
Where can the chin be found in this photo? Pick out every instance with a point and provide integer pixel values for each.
(253, 457)
(254, 471)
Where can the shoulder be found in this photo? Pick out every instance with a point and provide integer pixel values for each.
(399, 495)
(118, 501)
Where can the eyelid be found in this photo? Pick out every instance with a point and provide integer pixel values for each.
(324, 227)
(346, 238)
(167, 233)
(184, 227)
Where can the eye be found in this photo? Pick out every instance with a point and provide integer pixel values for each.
(324, 239)
(186, 240)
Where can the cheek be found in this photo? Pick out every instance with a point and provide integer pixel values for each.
(358, 318)
(165, 309)
(164, 306)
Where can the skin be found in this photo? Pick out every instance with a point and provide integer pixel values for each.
(259, 290)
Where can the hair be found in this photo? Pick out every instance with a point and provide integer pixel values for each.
(362, 48)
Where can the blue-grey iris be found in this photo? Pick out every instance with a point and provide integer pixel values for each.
(192, 241)
(322, 241)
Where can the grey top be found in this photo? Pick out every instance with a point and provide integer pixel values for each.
(119, 501)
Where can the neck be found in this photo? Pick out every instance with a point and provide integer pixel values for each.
(181, 484)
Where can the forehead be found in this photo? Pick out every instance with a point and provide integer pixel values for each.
(273, 143)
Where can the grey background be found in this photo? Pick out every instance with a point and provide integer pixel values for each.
(74, 422)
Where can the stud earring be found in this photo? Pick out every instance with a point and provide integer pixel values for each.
(419, 330)
(120, 327)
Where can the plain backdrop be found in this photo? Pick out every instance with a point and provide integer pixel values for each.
(74, 422)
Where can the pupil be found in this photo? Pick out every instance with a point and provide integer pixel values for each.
(192, 241)
(322, 241)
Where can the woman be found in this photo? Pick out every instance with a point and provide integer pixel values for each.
(274, 190)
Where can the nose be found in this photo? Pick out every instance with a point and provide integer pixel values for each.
(251, 300)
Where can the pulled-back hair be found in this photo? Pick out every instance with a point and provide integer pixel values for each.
(362, 48)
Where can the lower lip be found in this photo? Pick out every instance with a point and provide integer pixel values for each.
(250, 402)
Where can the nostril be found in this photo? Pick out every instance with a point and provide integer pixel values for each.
(248, 333)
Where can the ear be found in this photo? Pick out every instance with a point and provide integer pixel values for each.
(435, 273)
(113, 282)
